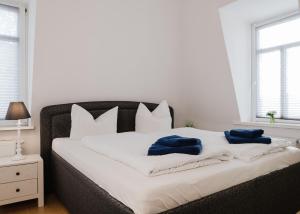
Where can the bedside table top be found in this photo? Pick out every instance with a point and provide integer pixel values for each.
(7, 161)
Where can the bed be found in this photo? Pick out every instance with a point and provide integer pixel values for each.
(81, 192)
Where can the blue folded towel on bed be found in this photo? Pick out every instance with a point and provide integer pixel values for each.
(247, 133)
(177, 141)
(164, 150)
(175, 144)
(241, 140)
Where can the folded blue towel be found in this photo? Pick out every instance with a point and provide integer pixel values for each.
(177, 141)
(155, 150)
(176, 144)
(240, 140)
(247, 133)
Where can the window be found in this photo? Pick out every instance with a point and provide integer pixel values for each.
(13, 74)
(276, 70)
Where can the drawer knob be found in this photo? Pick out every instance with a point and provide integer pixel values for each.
(18, 173)
(18, 190)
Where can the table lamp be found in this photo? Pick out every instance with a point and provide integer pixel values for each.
(17, 111)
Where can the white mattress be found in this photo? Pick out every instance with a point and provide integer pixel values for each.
(147, 195)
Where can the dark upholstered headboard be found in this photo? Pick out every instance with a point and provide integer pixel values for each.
(56, 122)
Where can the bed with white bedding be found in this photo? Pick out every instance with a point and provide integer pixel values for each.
(164, 192)
(90, 179)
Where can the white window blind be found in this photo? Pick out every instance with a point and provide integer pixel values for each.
(11, 57)
(278, 68)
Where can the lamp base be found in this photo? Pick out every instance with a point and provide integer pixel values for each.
(18, 157)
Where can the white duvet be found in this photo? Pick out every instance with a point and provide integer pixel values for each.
(131, 149)
(251, 152)
(245, 152)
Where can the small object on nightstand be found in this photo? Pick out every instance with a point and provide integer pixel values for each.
(17, 111)
(21, 180)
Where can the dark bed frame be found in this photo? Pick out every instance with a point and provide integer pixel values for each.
(274, 193)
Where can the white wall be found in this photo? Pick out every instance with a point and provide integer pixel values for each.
(237, 19)
(209, 89)
(104, 50)
(143, 50)
(237, 35)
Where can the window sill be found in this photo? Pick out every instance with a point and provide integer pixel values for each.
(266, 124)
(14, 128)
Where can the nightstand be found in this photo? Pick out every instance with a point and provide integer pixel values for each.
(21, 180)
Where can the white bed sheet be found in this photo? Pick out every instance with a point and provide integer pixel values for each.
(149, 195)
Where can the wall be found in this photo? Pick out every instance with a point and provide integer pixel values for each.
(237, 34)
(104, 50)
(141, 50)
(209, 89)
(210, 93)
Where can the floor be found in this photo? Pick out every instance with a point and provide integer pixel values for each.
(52, 206)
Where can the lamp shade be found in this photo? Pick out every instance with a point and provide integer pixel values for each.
(17, 111)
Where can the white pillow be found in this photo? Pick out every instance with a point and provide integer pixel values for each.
(83, 123)
(159, 120)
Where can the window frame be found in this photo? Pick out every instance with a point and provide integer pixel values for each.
(23, 54)
(255, 51)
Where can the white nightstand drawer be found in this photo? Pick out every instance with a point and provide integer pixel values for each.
(18, 189)
(21, 180)
(18, 173)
